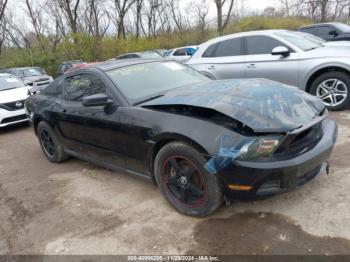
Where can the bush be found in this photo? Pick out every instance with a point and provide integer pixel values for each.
(92, 49)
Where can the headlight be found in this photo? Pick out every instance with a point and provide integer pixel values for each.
(28, 83)
(263, 146)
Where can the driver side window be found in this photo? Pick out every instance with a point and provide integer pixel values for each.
(262, 45)
(79, 86)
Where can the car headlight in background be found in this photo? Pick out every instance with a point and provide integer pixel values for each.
(263, 146)
(28, 83)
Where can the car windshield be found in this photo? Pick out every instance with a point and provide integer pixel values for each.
(299, 41)
(27, 72)
(342, 27)
(150, 55)
(39, 69)
(312, 37)
(143, 81)
(10, 82)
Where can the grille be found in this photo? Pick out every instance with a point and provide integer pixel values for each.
(43, 83)
(13, 119)
(12, 105)
(42, 79)
(302, 142)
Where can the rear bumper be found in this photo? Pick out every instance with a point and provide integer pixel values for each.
(268, 178)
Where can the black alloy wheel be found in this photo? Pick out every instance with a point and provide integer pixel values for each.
(184, 181)
(180, 173)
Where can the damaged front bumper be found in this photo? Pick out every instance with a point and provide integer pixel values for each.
(244, 178)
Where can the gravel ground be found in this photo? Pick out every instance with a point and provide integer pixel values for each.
(78, 208)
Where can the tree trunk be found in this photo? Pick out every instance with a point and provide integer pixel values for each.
(324, 4)
(219, 17)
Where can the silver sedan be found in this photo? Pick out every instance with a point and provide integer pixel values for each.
(283, 56)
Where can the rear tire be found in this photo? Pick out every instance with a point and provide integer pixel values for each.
(333, 88)
(49, 143)
(185, 183)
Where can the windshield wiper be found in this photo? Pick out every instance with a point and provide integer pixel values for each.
(147, 99)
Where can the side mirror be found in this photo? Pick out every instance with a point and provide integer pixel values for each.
(97, 100)
(280, 50)
(333, 33)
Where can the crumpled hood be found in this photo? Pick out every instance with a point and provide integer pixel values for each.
(261, 104)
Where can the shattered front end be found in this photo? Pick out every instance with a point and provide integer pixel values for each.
(271, 164)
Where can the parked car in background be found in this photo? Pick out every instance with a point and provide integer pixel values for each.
(324, 42)
(68, 65)
(328, 31)
(182, 53)
(13, 93)
(35, 77)
(280, 55)
(84, 65)
(199, 140)
(144, 55)
(159, 51)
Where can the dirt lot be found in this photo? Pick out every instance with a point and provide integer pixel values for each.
(77, 208)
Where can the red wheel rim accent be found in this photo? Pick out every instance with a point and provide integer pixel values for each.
(184, 181)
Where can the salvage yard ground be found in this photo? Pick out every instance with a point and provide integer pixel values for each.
(78, 208)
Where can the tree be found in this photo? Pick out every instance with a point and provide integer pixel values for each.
(139, 5)
(70, 9)
(178, 18)
(3, 4)
(36, 18)
(153, 8)
(97, 22)
(324, 4)
(122, 7)
(222, 20)
(201, 11)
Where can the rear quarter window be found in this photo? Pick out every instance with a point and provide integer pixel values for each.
(230, 47)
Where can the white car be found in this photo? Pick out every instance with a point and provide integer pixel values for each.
(13, 93)
(181, 54)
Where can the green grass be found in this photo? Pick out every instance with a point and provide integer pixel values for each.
(89, 49)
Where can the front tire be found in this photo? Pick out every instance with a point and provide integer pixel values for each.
(185, 183)
(49, 143)
(333, 88)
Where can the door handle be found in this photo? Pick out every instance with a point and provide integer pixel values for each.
(251, 66)
(212, 67)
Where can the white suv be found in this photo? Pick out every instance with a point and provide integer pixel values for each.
(13, 93)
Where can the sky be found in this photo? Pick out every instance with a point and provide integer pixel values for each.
(249, 5)
(261, 4)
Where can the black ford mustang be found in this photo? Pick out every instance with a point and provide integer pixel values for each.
(199, 140)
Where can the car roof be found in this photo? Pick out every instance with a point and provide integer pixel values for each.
(248, 33)
(108, 65)
(21, 68)
(138, 53)
(188, 46)
(319, 24)
(72, 61)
